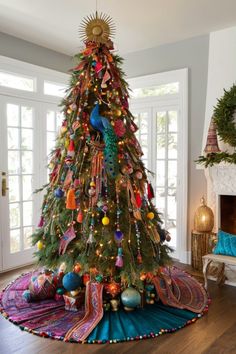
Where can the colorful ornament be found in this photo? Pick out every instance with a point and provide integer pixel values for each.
(118, 236)
(40, 245)
(71, 281)
(150, 215)
(130, 298)
(150, 192)
(115, 304)
(105, 221)
(119, 128)
(60, 291)
(86, 278)
(112, 288)
(77, 267)
(59, 193)
(68, 236)
(138, 175)
(80, 217)
(70, 199)
(99, 278)
(119, 258)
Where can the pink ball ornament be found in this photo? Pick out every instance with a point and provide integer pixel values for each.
(138, 175)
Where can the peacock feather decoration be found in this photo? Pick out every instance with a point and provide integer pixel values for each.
(103, 125)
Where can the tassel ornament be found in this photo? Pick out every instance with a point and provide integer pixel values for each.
(70, 199)
(119, 258)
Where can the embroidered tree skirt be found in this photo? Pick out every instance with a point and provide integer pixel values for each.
(48, 318)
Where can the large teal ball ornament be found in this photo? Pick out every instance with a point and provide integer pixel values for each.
(71, 281)
(130, 298)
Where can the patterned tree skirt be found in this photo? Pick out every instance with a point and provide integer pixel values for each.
(48, 318)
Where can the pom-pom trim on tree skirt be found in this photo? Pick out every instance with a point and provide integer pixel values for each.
(48, 318)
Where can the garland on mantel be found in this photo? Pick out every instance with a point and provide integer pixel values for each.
(215, 158)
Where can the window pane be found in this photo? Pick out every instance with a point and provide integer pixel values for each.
(161, 143)
(50, 142)
(15, 241)
(13, 162)
(14, 210)
(172, 117)
(27, 162)
(145, 152)
(27, 237)
(17, 82)
(166, 89)
(160, 173)
(12, 115)
(59, 119)
(173, 233)
(172, 174)
(51, 121)
(27, 187)
(27, 117)
(171, 213)
(161, 122)
(172, 146)
(14, 194)
(13, 138)
(160, 200)
(54, 89)
(27, 213)
(26, 139)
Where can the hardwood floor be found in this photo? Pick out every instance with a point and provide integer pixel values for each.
(215, 333)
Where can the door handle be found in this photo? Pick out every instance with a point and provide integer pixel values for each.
(4, 184)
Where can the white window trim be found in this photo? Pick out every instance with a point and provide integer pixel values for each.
(35, 72)
(181, 98)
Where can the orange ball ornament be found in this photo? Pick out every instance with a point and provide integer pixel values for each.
(150, 215)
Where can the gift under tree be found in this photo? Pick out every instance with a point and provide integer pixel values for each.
(100, 239)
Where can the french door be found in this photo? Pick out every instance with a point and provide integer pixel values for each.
(27, 133)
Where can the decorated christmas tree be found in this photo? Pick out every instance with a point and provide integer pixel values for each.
(100, 239)
(97, 215)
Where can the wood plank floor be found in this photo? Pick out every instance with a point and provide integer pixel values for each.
(215, 333)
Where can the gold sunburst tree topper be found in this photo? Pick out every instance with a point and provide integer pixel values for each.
(98, 28)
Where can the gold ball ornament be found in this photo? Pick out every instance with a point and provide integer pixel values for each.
(105, 221)
(92, 184)
(118, 112)
(40, 245)
(150, 215)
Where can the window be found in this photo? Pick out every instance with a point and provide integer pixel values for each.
(159, 106)
(30, 119)
(17, 81)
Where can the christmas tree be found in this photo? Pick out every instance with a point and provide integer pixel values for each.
(98, 218)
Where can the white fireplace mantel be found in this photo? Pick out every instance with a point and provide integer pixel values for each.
(221, 180)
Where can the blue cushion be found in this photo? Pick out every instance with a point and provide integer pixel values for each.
(226, 244)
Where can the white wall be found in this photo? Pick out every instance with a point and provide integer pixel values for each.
(221, 70)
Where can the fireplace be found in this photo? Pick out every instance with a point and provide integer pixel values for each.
(227, 213)
(221, 197)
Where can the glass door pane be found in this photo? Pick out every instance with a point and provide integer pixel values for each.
(18, 161)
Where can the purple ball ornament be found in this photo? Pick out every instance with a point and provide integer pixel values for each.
(118, 236)
(105, 208)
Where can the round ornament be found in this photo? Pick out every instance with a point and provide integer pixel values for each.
(59, 193)
(224, 116)
(138, 175)
(77, 268)
(112, 288)
(71, 281)
(92, 192)
(105, 221)
(118, 235)
(60, 291)
(40, 245)
(150, 215)
(99, 278)
(130, 298)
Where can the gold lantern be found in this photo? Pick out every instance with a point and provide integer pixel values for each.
(203, 218)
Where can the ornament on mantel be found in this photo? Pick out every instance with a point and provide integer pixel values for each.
(212, 142)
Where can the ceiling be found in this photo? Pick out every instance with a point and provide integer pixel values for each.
(139, 24)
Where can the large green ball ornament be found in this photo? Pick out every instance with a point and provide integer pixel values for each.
(71, 281)
(130, 298)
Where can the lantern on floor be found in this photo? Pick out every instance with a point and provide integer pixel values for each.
(203, 218)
